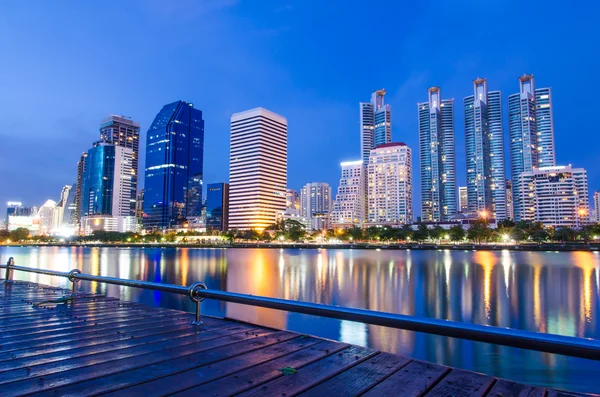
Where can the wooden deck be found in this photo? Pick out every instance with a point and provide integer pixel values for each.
(99, 345)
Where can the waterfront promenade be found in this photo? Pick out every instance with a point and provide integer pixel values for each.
(94, 344)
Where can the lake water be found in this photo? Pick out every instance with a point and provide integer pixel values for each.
(539, 291)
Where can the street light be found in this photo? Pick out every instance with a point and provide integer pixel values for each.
(483, 214)
(447, 237)
(505, 237)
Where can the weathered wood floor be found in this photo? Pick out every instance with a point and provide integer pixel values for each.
(99, 345)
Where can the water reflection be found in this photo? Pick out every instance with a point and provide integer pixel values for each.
(546, 292)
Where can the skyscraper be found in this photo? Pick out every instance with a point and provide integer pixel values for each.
(315, 198)
(257, 169)
(106, 182)
(390, 185)
(174, 167)
(122, 131)
(437, 157)
(78, 190)
(531, 133)
(510, 206)
(486, 177)
(555, 196)
(463, 199)
(349, 206)
(597, 206)
(217, 206)
(292, 200)
(375, 124)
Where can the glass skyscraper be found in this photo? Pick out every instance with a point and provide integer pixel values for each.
(174, 167)
(437, 157)
(531, 133)
(375, 124)
(217, 206)
(486, 180)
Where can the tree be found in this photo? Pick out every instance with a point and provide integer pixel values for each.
(421, 234)
(564, 234)
(4, 235)
(405, 233)
(229, 235)
(294, 230)
(479, 231)
(356, 233)
(19, 234)
(437, 233)
(457, 233)
(519, 234)
(373, 233)
(506, 224)
(539, 236)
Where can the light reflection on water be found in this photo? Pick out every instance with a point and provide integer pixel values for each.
(539, 291)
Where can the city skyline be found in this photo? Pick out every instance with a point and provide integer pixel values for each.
(314, 114)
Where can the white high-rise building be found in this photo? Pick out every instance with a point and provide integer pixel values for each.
(349, 206)
(375, 124)
(463, 199)
(555, 196)
(390, 185)
(597, 207)
(510, 207)
(315, 202)
(257, 169)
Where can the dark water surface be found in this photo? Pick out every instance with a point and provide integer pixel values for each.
(539, 291)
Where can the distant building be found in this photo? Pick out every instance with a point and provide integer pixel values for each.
(315, 198)
(78, 190)
(510, 208)
(15, 208)
(292, 199)
(390, 185)
(217, 206)
(46, 217)
(531, 133)
(257, 169)
(174, 167)
(437, 157)
(349, 206)
(597, 206)
(555, 196)
(139, 209)
(64, 212)
(375, 124)
(484, 140)
(108, 223)
(463, 199)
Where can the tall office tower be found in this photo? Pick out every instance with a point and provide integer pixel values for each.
(555, 196)
(315, 202)
(174, 167)
(78, 187)
(61, 211)
(390, 185)
(69, 209)
(122, 131)
(15, 208)
(217, 206)
(45, 217)
(437, 157)
(106, 182)
(597, 206)
(257, 169)
(531, 132)
(486, 177)
(139, 209)
(375, 124)
(510, 207)
(349, 206)
(292, 199)
(462, 199)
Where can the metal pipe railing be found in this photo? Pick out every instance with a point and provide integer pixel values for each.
(549, 343)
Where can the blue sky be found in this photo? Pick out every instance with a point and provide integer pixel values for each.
(66, 65)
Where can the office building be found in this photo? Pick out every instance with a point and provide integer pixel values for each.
(462, 199)
(257, 169)
(108, 223)
(122, 131)
(510, 208)
(555, 196)
(292, 200)
(390, 185)
(531, 133)
(315, 198)
(45, 217)
(217, 206)
(64, 212)
(174, 167)
(78, 189)
(437, 157)
(139, 209)
(597, 207)
(486, 177)
(349, 206)
(375, 124)
(15, 208)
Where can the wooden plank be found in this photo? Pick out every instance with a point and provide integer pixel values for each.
(264, 372)
(506, 388)
(312, 374)
(78, 362)
(112, 366)
(359, 378)
(461, 383)
(173, 382)
(117, 381)
(410, 381)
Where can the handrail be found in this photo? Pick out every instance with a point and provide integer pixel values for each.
(549, 343)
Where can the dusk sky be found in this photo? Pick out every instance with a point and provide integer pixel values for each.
(66, 65)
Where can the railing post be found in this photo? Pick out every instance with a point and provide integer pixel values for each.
(8, 276)
(193, 293)
(73, 279)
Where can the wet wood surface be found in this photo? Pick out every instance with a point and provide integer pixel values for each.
(99, 345)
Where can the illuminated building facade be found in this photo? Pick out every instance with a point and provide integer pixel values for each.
(375, 124)
(597, 207)
(315, 198)
(257, 169)
(462, 199)
(217, 206)
(349, 205)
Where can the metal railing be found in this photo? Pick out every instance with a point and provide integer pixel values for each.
(548, 343)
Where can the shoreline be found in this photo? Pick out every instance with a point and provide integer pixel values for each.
(362, 246)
